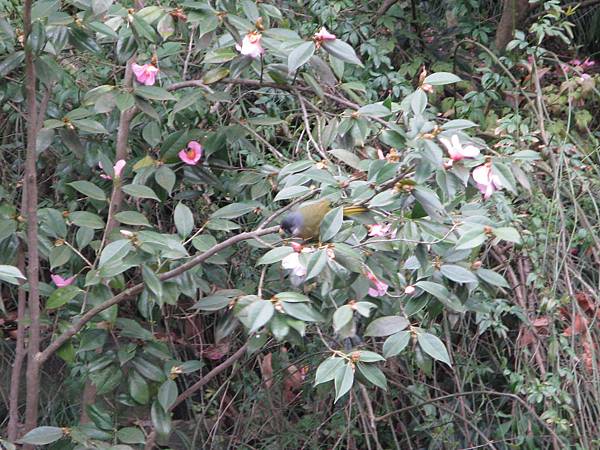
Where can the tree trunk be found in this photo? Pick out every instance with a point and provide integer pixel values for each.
(514, 13)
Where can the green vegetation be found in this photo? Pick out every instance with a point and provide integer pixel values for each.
(299, 224)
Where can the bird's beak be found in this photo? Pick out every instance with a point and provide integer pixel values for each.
(281, 232)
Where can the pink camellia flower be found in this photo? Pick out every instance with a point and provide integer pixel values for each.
(324, 35)
(487, 181)
(251, 45)
(381, 230)
(117, 169)
(297, 246)
(192, 155)
(145, 74)
(60, 281)
(379, 288)
(456, 149)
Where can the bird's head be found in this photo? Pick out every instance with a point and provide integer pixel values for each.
(292, 224)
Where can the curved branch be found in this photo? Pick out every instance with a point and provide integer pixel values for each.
(134, 290)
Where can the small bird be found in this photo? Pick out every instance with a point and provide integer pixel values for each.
(305, 221)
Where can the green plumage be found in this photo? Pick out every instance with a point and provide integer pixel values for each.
(313, 213)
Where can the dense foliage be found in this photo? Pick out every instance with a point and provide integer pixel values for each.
(455, 308)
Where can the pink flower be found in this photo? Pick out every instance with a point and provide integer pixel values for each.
(487, 181)
(292, 262)
(296, 246)
(251, 45)
(409, 290)
(456, 149)
(381, 230)
(324, 35)
(587, 63)
(145, 74)
(193, 153)
(379, 288)
(60, 281)
(117, 169)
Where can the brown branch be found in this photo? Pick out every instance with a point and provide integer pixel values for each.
(33, 367)
(387, 4)
(121, 150)
(20, 351)
(210, 375)
(130, 292)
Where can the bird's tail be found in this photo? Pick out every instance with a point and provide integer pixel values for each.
(354, 210)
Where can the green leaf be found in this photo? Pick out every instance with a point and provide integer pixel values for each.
(342, 51)
(165, 178)
(292, 297)
(327, 369)
(384, 198)
(220, 55)
(506, 176)
(368, 356)
(212, 302)
(332, 223)
(441, 78)
(418, 101)
(458, 124)
(384, 326)
(396, 343)
(138, 388)
(114, 251)
(373, 374)
(509, 234)
(442, 294)
(151, 134)
(61, 296)
(140, 191)
(374, 110)
(458, 273)
(302, 311)
(160, 419)
(132, 329)
(275, 255)
(167, 394)
(433, 346)
(344, 378)
(347, 157)
(10, 274)
(191, 366)
(132, 218)
(152, 281)
(471, 239)
(184, 220)
(291, 192)
(131, 435)
(342, 316)
(257, 314)
(89, 189)
(154, 93)
(214, 75)
(87, 219)
(316, 264)
(300, 55)
(42, 436)
(89, 126)
(493, 278)
(232, 211)
(11, 62)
